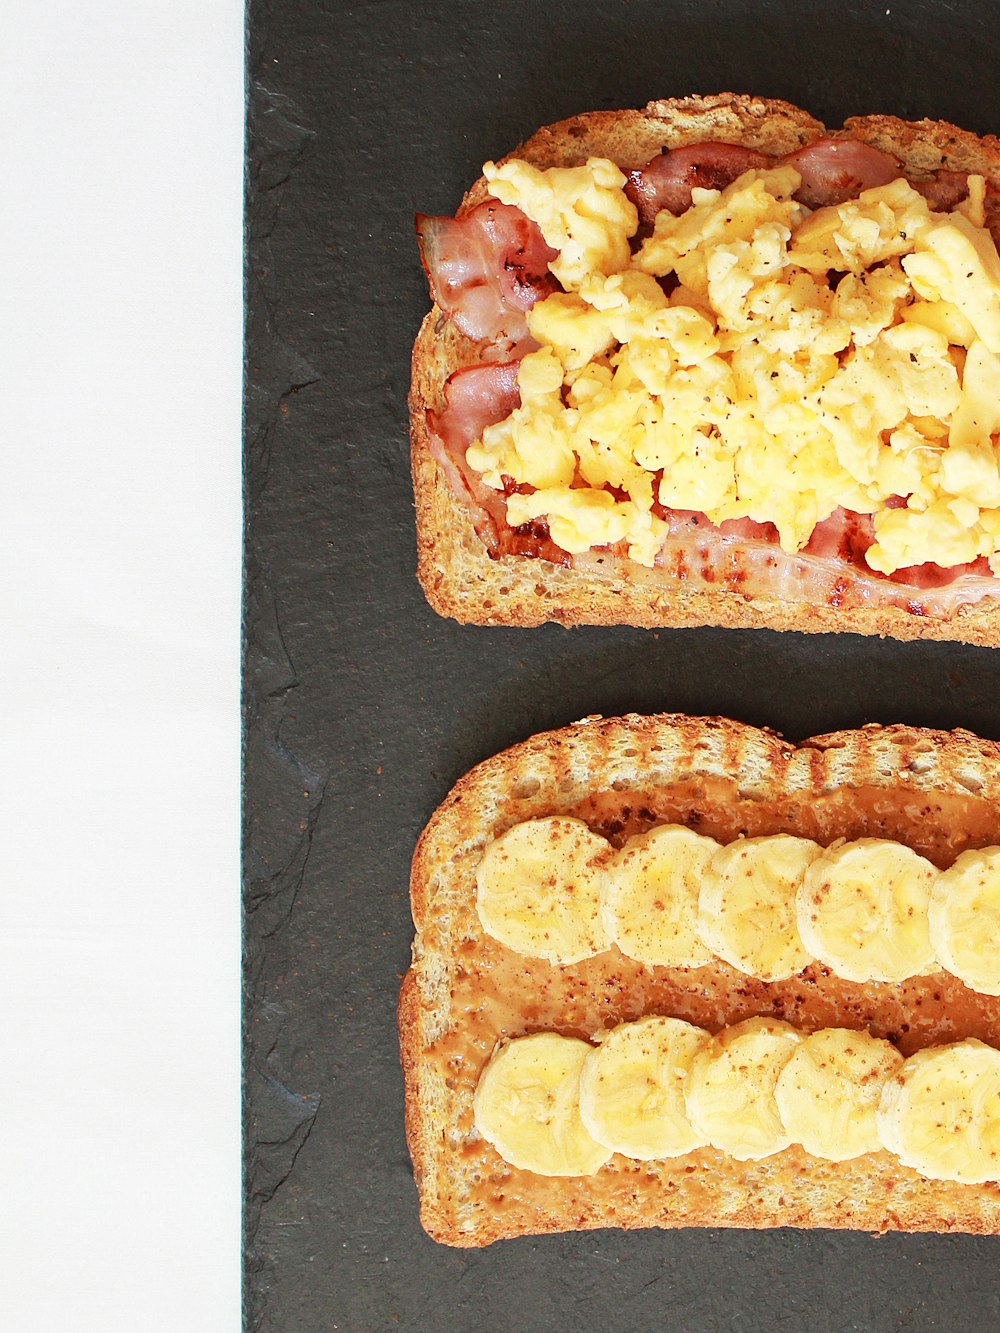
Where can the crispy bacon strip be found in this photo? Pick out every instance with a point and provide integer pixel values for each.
(992, 210)
(476, 397)
(832, 171)
(667, 181)
(486, 269)
(744, 557)
(944, 190)
(835, 170)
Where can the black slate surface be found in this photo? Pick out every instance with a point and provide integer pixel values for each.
(362, 706)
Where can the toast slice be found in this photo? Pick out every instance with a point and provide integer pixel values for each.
(459, 577)
(937, 792)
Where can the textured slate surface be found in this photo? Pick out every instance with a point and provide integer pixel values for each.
(362, 707)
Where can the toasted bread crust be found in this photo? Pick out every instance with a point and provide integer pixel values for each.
(458, 576)
(905, 767)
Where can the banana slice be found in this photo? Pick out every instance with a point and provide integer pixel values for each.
(862, 910)
(746, 910)
(964, 919)
(941, 1113)
(527, 1105)
(650, 903)
(828, 1092)
(729, 1092)
(632, 1088)
(538, 890)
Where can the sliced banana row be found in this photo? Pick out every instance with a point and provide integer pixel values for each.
(527, 1104)
(659, 1088)
(870, 910)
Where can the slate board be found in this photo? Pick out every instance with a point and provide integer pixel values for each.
(362, 706)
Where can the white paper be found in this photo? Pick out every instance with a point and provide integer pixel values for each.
(119, 709)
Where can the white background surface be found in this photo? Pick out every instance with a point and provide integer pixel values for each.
(119, 708)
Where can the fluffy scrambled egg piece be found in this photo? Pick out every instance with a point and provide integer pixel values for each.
(753, 359)
(582, 212)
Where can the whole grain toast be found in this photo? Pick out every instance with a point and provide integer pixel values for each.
(458, 576)
(938, 792)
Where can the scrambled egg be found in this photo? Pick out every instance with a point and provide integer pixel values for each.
(582, 212)
(801, 362)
